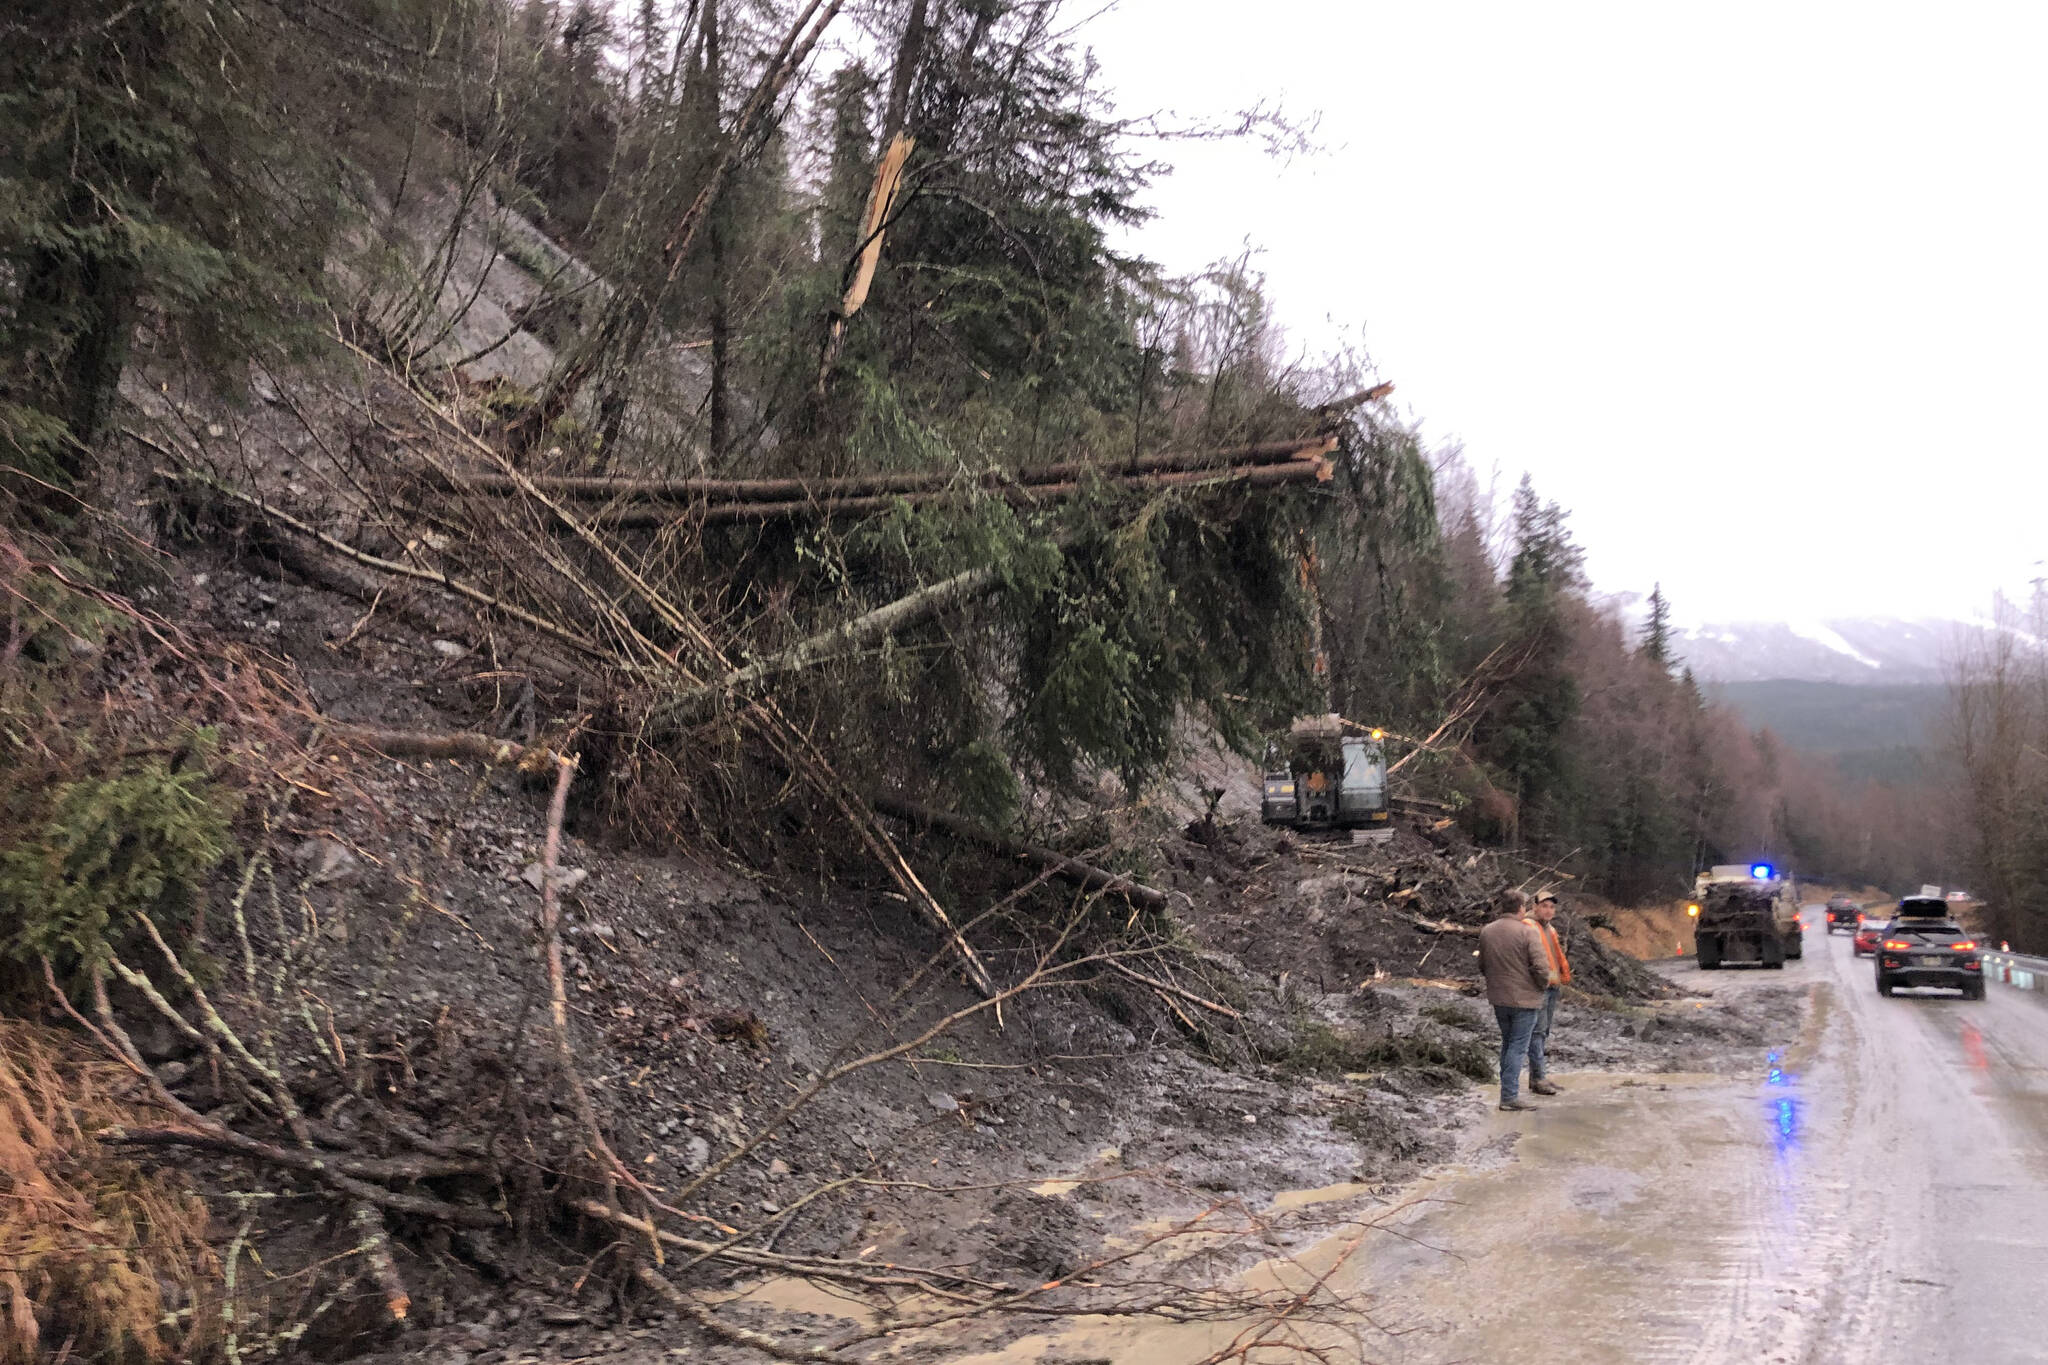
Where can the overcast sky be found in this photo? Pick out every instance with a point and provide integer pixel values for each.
(1758, 291)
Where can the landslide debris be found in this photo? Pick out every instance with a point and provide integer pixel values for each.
(1303, 1016)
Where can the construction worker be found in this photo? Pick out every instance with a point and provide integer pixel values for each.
(1517, 974)
(1543, 915)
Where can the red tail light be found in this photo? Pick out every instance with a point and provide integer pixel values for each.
(1965, 946)
(1896, 945)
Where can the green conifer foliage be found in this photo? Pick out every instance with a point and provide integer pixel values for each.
(140, 179)
(1527, 737)
(1656, 641)
(101, 850)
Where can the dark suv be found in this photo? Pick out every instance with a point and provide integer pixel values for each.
(1922, 950)
(1843, 913)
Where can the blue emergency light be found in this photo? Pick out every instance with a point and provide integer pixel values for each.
(1762, 872)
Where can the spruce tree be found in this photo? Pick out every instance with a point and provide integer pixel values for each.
(1656, 641)
(146, 171)
(1536, 706)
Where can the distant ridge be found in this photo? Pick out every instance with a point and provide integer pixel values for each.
(1885, 731)
(1856, 651)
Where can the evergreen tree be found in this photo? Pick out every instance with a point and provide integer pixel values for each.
(145, 167)
(1656, 641)
(850, 157)
(1535, 707)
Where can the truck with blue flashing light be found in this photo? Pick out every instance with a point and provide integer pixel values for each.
(1745, 913)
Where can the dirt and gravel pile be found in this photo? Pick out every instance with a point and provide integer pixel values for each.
(1338, 914)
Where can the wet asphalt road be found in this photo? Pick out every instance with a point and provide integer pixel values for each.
(1876, 1192)
(1915, 1189)
(1880, 1194)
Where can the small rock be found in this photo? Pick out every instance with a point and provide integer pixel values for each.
(941, 1101)
(560, 1317)
(449, 649)
(330, 862)
(777, 1169)
(770, 1206)
(566, 878)
(696, 1155)
(170, 1073)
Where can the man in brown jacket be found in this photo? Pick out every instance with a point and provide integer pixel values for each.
(1518, 976)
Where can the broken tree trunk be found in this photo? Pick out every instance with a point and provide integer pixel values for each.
(278, 517)
(1085, 875)
(868, 254)
(384, 592)
(622, 329)
(865, 629)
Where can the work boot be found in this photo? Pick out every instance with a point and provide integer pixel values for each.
(1542, 1087)
(1514, 1106)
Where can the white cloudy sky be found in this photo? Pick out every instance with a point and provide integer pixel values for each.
(1758, 290)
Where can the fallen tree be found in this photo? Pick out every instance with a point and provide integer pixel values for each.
(1306, 471)
(1084, 875)
(685, 490)
(868, 628)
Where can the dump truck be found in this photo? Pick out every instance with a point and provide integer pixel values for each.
(1322, 778)
(1745, 914)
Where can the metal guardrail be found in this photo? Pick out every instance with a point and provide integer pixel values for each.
(2015, 969)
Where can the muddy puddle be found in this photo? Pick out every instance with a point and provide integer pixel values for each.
(1586, 1222)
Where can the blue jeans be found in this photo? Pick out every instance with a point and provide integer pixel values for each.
(1540, 1035)
(1515, 1028)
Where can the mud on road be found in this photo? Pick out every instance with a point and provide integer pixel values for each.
(1868, 1183)
(1192, 1144)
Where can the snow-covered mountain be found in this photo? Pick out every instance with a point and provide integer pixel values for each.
(1842, 651)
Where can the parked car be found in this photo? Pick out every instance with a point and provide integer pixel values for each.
(1843, 914)
(1869, 934)
(1921, 951)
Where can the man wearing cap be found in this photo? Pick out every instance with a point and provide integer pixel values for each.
(1542, 917)
(1511, 958)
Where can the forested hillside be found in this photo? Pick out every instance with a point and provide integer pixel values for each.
(759, 263)
(737, 422)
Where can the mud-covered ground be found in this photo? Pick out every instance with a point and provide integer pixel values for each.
(1868, 1184)
(1345, 1051)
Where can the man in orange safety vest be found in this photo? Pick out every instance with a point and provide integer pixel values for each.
(1542, 915)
